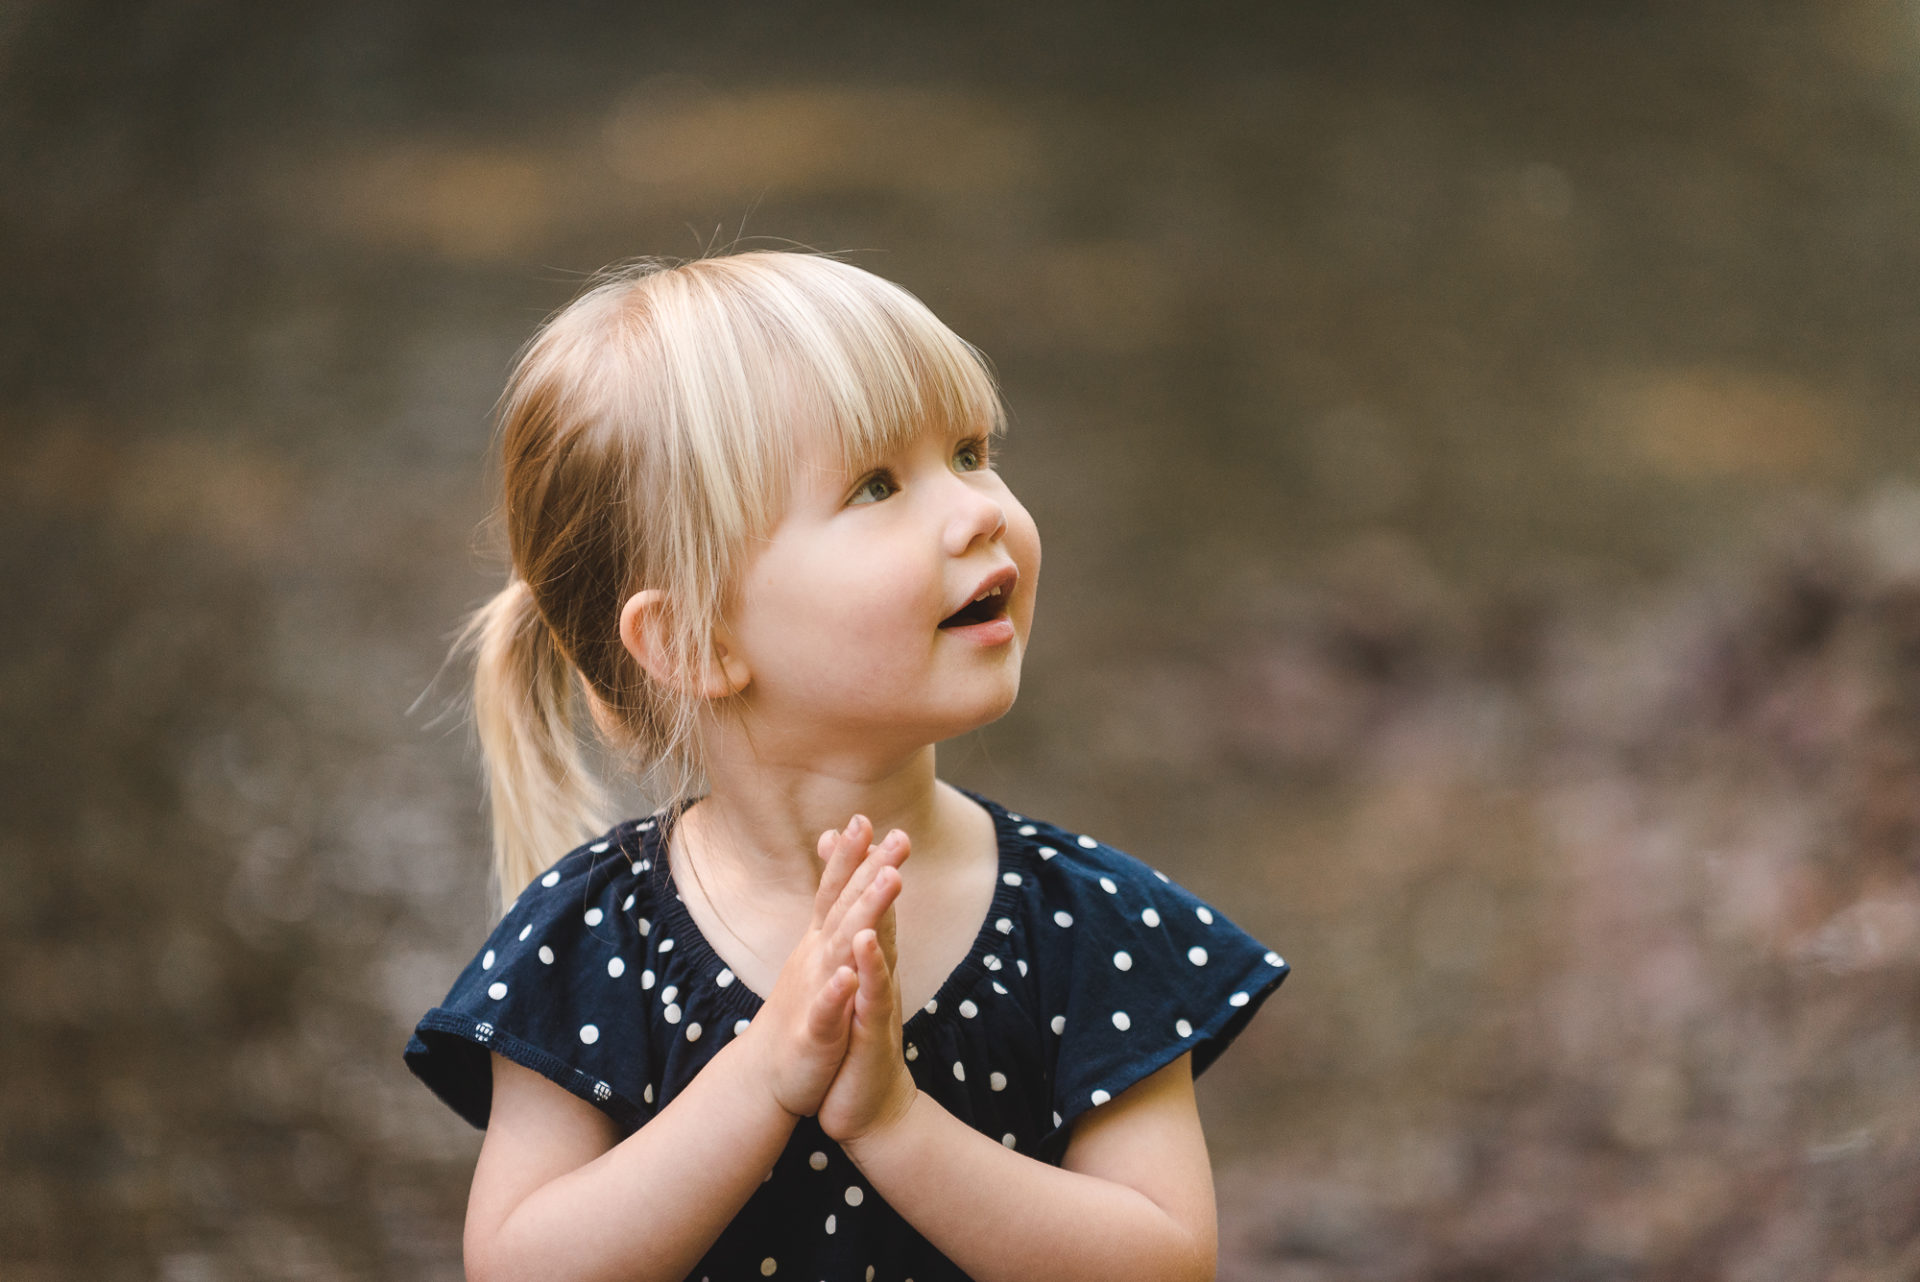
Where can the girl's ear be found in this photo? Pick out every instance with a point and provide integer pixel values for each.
(643, 634)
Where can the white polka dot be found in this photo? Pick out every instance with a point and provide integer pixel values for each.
(725, 978)
(1238, 999)
(1027, 830)
(1059, 1025)
(991, 962)
(855, 1195)
(1007, 1139)
(913, 1052)
(768, 1265)
(496, 990)
(1021, 962)
(645, 926)
(628, 906)
(1086, 841)
(589, 1034)
(646, 978)
(739, 1026)
(670, 992)
(616, 967)
(642, 827)
(933, 1004)
(1056, 1117)
(666, 945)
(999, 988)
(594, 916)
(546, 954)
(1106, 884)
(959, 1071)
(997, 1080)
(1274, 959)
(602, 1091)
(1014, 817)
(1162, 876)
(637, 870)
(1063, 918)
(1011, 878)
(1048, 852)
(968, 1009)
(1004, 926)
(1150, 916)
(1183, 1028)
(1099, 1098)
(830, 1224)
(646, 864)
(486, 962)
(1122, 960)
(672, 1013)
(1204, 914)
(1197, 955)
(1121, 1022)
(817, 1160)
(693, 1031)
(525, 931)
(599, 847)
(647, 1094)
(551, 880)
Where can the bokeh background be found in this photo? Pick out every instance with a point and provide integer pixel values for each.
(1476, 447)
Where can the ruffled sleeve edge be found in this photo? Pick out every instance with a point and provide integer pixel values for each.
(448, 1053)
(1206, 1042)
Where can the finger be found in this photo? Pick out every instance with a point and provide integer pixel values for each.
(827, 1019)
(889, 945)
(841, 850)
(887, 853)
(866, 914)
(875, 998)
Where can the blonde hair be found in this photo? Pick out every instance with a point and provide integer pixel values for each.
(648, 439)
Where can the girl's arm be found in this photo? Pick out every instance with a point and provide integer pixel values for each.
(555, 1196)
(1133, 1198)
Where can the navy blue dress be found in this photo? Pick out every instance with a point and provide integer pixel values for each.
(1090, 971)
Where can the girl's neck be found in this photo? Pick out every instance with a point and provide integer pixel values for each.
(761, 823)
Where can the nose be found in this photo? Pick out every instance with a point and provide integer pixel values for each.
(976, 515)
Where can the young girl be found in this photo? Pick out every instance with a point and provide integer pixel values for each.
(757, 535)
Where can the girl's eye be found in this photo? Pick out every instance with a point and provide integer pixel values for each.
(874, 488)
(972, 454)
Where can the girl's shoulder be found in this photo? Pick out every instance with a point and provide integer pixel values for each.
(1072, 866)
(1132, 968)
(548, 987)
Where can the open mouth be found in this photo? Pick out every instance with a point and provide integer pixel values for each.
(989, 605)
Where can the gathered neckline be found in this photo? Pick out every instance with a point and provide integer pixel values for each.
(671, 914)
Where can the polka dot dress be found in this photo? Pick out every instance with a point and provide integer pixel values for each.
(1089, 972)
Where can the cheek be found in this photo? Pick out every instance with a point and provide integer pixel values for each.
(1023, 541)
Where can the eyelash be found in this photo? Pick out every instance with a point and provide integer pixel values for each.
(976, 445)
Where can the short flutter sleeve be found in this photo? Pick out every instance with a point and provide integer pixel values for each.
(554, 989)
(1139, 971)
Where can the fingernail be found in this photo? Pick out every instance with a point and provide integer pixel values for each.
(851, 825)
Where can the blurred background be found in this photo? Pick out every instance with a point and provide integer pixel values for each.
(1475, 445)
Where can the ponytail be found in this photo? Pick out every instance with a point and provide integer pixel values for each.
(545, 798)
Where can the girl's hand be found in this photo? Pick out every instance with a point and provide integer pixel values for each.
(873, 1088)
(800, 1034)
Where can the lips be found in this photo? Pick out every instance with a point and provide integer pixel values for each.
(987, 601)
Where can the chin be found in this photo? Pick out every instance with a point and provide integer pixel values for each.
(992, 709)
